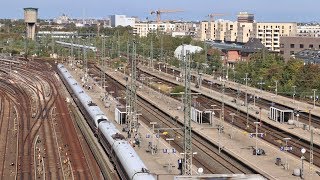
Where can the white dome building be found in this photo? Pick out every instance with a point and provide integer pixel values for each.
(182, 50)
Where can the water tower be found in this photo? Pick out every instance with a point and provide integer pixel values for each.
(30, 18)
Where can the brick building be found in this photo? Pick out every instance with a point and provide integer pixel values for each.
(289, 46)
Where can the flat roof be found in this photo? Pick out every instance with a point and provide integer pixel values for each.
(30, 8)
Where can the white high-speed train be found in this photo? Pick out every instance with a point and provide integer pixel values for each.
(125, 159)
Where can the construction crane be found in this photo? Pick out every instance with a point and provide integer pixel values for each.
(159, 12)
(212, 16)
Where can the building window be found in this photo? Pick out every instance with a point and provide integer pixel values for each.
(310, 45)
(281, 52)
(291, 45)
(291, 52)
(301, 46)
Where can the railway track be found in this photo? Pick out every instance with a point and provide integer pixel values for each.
(274, 135)
(263, 103)
(210, 159)
(44, 148)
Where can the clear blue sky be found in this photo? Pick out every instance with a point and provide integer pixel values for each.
(264, 10)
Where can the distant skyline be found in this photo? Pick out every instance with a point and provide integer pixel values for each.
(264, 10)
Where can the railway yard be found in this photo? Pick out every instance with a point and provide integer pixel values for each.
(39, 138)
(56, 125)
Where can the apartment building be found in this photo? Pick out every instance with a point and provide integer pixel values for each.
(269, 33)
(308, 31)
(202, 31)
(143, 28)
(244, 31)
(291, 45)
(231, 32)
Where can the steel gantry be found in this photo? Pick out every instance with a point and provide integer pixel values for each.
(187, 117)
(131, 99)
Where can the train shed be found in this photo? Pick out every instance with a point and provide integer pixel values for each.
(120, 115)
(201, 115)
(281, 115)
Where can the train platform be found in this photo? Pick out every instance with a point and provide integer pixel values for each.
(163, 165)
(252, 110)
(289, 102)
(240, 145)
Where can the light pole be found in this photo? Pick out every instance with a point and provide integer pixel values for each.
(303, 150)
(232, 115)
(294, 93)
(286, 149)
(297, 119)
(314, 97)
(169, 165)
(276, 81)
(256, 123)
(152, 141)
(246, 100)
(261, 82)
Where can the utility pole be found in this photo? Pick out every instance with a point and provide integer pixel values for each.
(151, 54)
(286, 148)
(102, 60)
(85, 64)
(187, 118)
(294, 93)
(132, 115)
(246, 100)
(314, 97)
(276, 81)
(118, 45)
(311, 150)
(232, 122)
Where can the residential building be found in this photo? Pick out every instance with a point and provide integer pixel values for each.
(232, 32)
(291, 45)
(202, 31)
(121, 20)
(143, 28)
(308, 30)
(269, 33)
(244, 31)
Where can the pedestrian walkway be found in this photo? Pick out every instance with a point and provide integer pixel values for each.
(239, 146)
(252, 110)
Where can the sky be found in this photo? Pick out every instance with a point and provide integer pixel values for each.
(264, 10)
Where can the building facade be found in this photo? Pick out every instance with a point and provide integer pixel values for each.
(308, 31)
(121, 20)
(143, 28)
(270, 33)
(291, 45)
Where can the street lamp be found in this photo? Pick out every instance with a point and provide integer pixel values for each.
(232, 115)
(256, 123)
(169, 165)
(314, 97)
(303, 150)
(152, 145)
(276, 81)
(286, 148)
(294, 92)
(246, 101)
